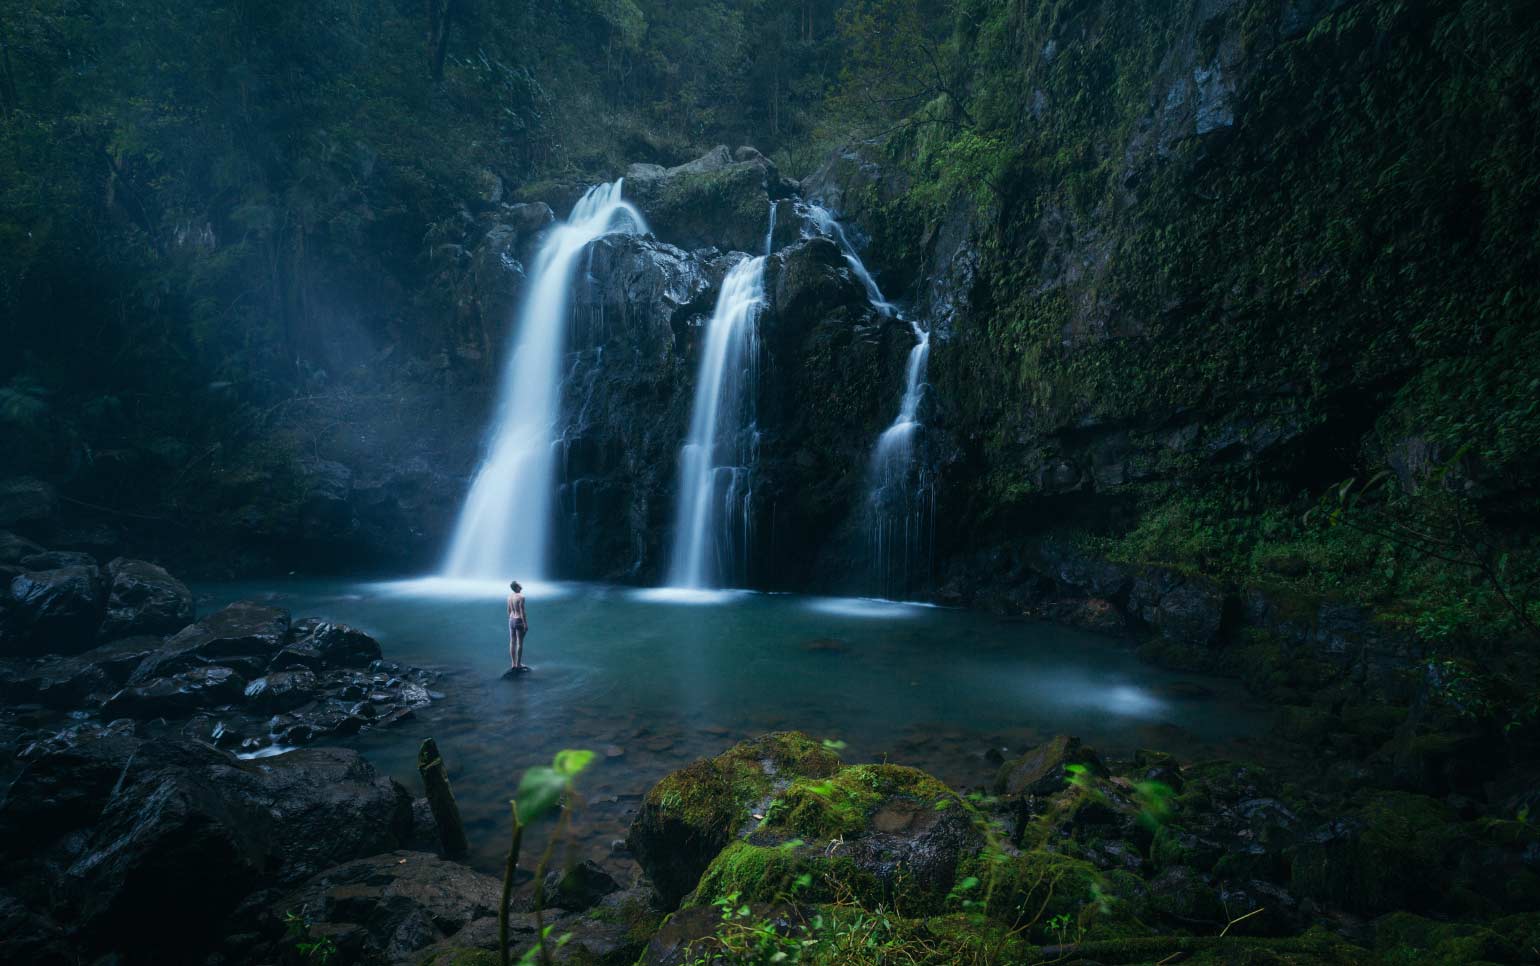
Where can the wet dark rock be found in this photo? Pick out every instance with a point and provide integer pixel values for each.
(142, 598)
(338, 645)
(247, 631)
(387, 907)
(580, 887)
(53, 611)
(117, 833)
(282, 691)
(78, 680)
(177, 695)
(298, 657)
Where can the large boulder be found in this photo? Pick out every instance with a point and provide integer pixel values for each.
(245, 635)
(54, 611)
(72, 682)
(884, 834)
(142, 598)
(337, 645)
(714, 200)
(692, 814)
(387, 907)
(119, 836)
(177, 695)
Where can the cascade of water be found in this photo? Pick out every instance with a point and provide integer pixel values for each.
(770, 231)
(825, 221)
(504, 527)
(712, 525)
(900, 494)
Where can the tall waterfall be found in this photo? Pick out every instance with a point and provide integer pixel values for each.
(900, 494)
(504, 527)
(712, 520)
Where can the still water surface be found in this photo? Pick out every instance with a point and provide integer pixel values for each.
(651, 680)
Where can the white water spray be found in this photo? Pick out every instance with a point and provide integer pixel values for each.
(504, 527)
(712, 521)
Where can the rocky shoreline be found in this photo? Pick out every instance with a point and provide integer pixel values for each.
(167, 849)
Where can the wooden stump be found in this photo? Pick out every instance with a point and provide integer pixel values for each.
(446, 813)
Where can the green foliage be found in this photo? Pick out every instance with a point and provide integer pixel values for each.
(542, 787)
(319, 951)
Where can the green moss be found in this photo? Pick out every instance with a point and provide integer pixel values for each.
(842, 806)
(717, 795)
(1402, 937)
(1033, 887)
(789, 871)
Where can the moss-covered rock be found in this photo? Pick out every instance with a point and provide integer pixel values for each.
(1389, 854)
(878, 834)
(691, 815)
(711, 201)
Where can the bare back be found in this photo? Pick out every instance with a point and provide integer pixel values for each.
(516, 606)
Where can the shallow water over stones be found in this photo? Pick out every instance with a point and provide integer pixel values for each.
(652, 682)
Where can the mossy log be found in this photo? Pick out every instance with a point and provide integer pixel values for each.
(441, 799)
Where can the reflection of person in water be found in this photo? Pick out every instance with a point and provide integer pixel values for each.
(518, 626)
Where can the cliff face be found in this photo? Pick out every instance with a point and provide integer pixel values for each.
(1225, 244)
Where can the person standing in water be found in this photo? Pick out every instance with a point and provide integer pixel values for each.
(518, 626)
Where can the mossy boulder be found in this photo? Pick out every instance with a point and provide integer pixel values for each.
(1402, 937)
(693, 813)
(711, 201)
(879, 834)
(1387, 855)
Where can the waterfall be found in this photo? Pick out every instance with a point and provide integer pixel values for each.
(900, 494)
(770, 231)
(504, 527)
(712, 519)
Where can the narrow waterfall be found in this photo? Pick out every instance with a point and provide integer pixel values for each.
(900, 494)
(504, 527)
(712, 519)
